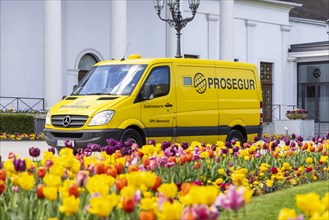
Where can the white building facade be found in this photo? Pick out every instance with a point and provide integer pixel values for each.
(47, 45)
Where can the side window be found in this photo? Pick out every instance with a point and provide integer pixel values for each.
(158, 82)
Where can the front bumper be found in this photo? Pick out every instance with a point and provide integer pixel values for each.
(81, 138)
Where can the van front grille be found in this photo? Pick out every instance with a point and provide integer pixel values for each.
(71, 121)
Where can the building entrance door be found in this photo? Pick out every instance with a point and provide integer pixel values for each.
(315, 98)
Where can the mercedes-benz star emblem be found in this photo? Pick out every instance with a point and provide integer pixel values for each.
(66, 121)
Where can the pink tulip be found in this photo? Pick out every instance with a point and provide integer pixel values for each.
(232, 199)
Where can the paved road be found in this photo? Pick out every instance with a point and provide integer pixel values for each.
(21, 148)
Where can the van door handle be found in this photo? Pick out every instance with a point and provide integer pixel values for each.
(168, 105)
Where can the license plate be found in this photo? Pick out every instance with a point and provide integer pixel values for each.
(63, 143)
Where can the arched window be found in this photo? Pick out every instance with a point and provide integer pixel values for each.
(85, 64)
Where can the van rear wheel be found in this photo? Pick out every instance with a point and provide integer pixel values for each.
(132, 135)
(236, 135)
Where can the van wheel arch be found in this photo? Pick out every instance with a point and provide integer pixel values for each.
(237, 133)
(134, 133)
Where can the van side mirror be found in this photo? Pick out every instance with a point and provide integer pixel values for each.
(75, 87)
(146, 92)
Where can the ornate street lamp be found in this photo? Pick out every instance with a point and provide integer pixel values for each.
(177, 21)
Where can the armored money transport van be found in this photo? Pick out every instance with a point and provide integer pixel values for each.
(161, 99)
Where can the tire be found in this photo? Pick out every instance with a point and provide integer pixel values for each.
(236, 135)
(133, 135)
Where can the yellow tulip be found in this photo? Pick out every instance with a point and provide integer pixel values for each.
(286, 214)
(168, 189)
(26, 181)
(70, 205)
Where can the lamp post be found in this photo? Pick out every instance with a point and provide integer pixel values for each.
(176, 21)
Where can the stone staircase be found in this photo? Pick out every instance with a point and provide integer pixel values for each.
(319, 128)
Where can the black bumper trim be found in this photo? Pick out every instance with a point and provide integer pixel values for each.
(81, 138)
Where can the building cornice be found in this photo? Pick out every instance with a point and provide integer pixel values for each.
(307, 21)
(273, 3)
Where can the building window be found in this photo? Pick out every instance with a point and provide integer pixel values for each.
(266, 81)
(85, 64)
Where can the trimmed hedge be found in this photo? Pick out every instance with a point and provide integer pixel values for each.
(16, 123)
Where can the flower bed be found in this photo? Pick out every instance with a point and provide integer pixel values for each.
(21, 137)
(157, 181)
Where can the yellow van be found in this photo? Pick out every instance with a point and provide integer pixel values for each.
(161, 99)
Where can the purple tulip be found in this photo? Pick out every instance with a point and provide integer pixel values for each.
(300, 139)
(201, 211)
(111, 142)
(51, 149)
(287, 141)
(124, 151)
(228, 144)
(293, 136)
(109, 150)
(34, 152)
(165, 145)
(68, 143)
(327, 136)
(151, 142)
(118, 146)
(128, 143)
(184, 145)
(224, 151)
(163, 160)
(20, 165)
(256, 139)
(214, 147)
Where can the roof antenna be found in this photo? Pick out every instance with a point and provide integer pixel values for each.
(123, 58)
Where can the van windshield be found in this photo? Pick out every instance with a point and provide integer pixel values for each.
(110, 80)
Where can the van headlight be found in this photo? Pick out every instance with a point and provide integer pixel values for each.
(48, 118)
(101, 118)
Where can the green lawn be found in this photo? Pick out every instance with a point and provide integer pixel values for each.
(267, 207)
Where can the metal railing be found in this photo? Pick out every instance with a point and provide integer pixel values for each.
(21, 104)
(280, 107)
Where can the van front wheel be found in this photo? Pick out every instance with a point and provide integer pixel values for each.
(236, 135)
(132, 135)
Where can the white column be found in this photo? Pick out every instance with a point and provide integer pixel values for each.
(212, 36)
(250, 47)
(227, 30)
(285, 88)
(52, 76)
(118, 29)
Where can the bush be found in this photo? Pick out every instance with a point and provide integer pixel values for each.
(16, 123)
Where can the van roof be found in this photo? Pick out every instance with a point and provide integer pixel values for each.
(137, 59)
